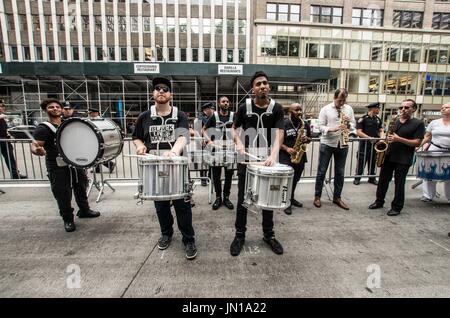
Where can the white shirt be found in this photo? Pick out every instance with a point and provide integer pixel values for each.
(440, 134)
(329, 118)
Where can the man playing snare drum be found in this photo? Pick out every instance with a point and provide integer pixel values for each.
(171, 135)
(247, 118)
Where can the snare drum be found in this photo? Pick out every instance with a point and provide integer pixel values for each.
(162, 179)
(433, 165)
(268, 188)
(84, 142)
(221, 158)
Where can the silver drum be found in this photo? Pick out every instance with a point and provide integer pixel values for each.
(162, 179)
(433, 165)
(268, 188)
(221, 158)
(197, 160)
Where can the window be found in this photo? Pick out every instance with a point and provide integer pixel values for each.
(282, 46)
(410, 55)
(438, 56)
(99, 52)
(123, 53)
(206, 57)
(48, 23)
(109, 23)
(294, 46)
(218, 55)
(135, 54)
(332, 51)
(376, 52)
(183, 25)
(392, 54)
(312, 50)
(36, 24)
(194, 25)
(159, 24)
(241, 56)
(230, 26)
(219, 26)
(111, 53)
(75, 53)
(62, 53)
(87, 53)
(230, 56)
(407, 19)
(283, 12)
(324, 14)
(148, 54)
(10, 19)
(73, 22)
(367, 17)
(195, 55)
(122, 24)
(14, 53)
(51, 53)
(183, 55)
(171, 25)
(85, 22)
(171, 54)
(26, 53)
(242, 26)
(22, 21)
(146, 24)
(159, 53)
(60, 22)
(441, 21)
(39, 56)
(98, 23)
(206, 26)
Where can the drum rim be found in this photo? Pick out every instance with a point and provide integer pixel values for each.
(433, 153)
(260, 169)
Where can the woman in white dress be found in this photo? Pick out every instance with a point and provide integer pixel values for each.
(438, 139)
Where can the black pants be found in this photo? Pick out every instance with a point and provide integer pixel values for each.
(399, 171)
(241, 211)
(366, 154)
(184, 218)
(62, 180)
(298, 171)
(217, 174)
(7, 151)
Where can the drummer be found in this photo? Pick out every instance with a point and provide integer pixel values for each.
(437, 138)
(62, 177)
(171, 136)
(261, 103)
(220, 122)
(408, 135)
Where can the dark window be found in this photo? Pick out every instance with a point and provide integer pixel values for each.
(219, 55)
(312, 50)
(39, 56)
(242, 56)
(123, 53)
(206, 57)
(408, 19)
(441, 21)
(183, 55)
(195, 55)
(51, 53)
(14, 53)
(171, 54)
(75, 53)
(87, 53)
(294, 46)
(230, 56)
(324, 14)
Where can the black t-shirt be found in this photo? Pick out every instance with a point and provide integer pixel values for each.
(399, 152)
(3, 128)
(43, 133)
(246, 121)
(291, 131)
(215, 129)
(370, 125)
(150, 131)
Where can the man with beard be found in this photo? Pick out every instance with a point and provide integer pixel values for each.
(221, 121)
(292, 130)
(146, 137)
(407, 135)
(261, 103)
(62, 177)
(68, 111)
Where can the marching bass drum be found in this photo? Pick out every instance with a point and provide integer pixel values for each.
(433, 165)
(268, 188)
(84, 142)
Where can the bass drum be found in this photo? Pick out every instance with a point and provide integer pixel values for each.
(84, 142)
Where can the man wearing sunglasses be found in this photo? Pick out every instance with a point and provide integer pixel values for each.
(408, 134)
(171, 135)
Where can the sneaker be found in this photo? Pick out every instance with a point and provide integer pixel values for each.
(217, 203)
(164, 242)
(288, 211)
(228, 203)
(191, 250)
(425, 199)
(274, 245)
(236, 246)
(296, 203)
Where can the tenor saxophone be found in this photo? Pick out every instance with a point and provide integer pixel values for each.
(299, 146)
(382, 146)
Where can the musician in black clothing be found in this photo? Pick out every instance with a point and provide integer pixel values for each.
(203, 117)
(408, 134)
(62, 177)
(368, 126)
(292, 130)
(217, 131)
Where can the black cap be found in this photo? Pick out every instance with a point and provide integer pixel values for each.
(208, 105)
(256, 75)
(91, 110)
(374, 105)
(67, 105)
(162, 80)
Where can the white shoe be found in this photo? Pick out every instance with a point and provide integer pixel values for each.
(425, 199)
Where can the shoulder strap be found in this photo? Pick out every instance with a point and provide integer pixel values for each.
(248, 105)
(50, 126)
(153, 111)
(216, 115)
(271, 105)
(174, 113)
(231, 116)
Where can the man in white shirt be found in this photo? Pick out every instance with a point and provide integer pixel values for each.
(333, 143)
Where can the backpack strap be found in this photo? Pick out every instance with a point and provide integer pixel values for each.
(248, 106)
(271, 105)
(231, 116)
(216, 115)
(50, 126)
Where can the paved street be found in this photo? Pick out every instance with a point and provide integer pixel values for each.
(329, 252)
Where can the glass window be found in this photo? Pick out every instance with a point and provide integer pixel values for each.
(171, 54)
(218, 25)
(22, 21)
(159, 24)
(183, 25)
(99, 52)
(206, 26)
(230, 56)
(324, 14)
(206, 57)
(218, 55)
(75, 53)
(135, 54)
(87, 53)
(146, 24)
(194, 25)
(48, 23)
(294, 46)
(51, 53)
(407, 19)
(26, 53)
(230, 26)
(376, 52)
(271, 11)
(241, 56)
(109, 23)
(36, 24)
(148, 54)
(183, 55)
(441, 20)
(367, 17)
(312, 50)
(122, 24)
(282, 46)
(39, 55)
(62, 53)
(14, 53)
(85, 22)
(170, 25)
(123, 53)
(135, 25)
(98, 23)
(194, 55)
(242, 27)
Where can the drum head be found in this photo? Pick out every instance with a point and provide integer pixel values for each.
(78, 143)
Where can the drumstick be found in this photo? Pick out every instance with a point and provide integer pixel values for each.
(29, 135)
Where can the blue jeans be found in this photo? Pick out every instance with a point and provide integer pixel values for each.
(184, 218)
(340, 156)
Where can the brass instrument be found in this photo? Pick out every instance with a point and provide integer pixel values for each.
(299, 146)
(382, 146)
(344, 138)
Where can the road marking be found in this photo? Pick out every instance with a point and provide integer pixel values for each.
(440, 245)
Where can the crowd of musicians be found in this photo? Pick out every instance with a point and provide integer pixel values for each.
(287, 146)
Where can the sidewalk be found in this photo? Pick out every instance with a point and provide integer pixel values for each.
(329, 252)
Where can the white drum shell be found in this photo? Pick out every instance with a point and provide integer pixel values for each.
(433, 165)
(221, 159)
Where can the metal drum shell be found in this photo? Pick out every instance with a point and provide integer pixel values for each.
(197, 160)
(221, 158)
(268, 188)
(433, 165)
(163, 179)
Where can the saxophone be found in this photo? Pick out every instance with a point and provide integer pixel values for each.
(299, 146)
(382, 146)
(344, 138)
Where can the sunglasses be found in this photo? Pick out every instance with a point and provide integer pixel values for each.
(158, 88)
(404, 107)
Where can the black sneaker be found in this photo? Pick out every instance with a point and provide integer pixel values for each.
(274, 245)
(88, 214)
(228, 203)
(69, 225)
(217, 203)
(236, 246)
(296, 203)
(191, 251)
(164, 242)
(288, 211)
